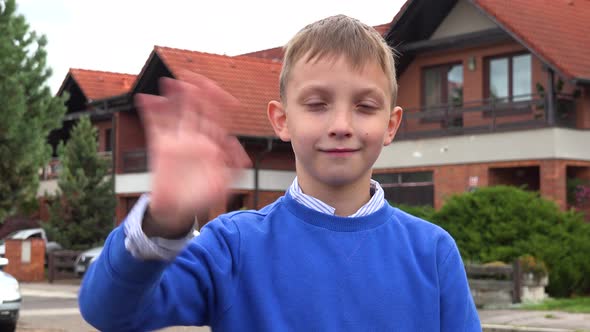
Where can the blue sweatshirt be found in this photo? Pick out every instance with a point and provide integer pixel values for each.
(289, 268)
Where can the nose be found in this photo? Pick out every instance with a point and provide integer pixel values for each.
(341, 123)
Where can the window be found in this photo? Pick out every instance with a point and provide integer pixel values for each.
(443, 85)
(108, 142)
(509, 78)
(412, 188)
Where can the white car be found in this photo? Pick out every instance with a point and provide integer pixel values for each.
(25, 234)
(85, 259)
(10, 299)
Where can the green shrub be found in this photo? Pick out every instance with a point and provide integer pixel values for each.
(503, 223)
(424, 212)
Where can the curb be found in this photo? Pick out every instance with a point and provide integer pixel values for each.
(50, 294)
(512, 328)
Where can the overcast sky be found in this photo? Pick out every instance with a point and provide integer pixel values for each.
(118, 35)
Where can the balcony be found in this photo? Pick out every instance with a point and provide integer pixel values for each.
(135, 161)
(485, 116)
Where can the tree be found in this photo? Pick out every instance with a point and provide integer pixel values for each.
(82, 213)
(28, 111)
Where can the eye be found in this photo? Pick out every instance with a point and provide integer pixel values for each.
(316, 106)
(367, 107)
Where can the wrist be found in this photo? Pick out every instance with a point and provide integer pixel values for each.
(156, 227)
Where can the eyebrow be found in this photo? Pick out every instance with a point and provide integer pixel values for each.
(373, 92)
(317, 88)
(323, 89)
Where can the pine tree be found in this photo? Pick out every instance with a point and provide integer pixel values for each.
(83, 214)
(28, 111)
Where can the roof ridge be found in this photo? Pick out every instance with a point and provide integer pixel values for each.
(189, 51)
(229, 57)
(101, 71)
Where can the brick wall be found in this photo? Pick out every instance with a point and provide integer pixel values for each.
(454, 179)
(32, 271)
(583, 109)
(474, 83)
(553, 181)
(101, 127)
(129, 136)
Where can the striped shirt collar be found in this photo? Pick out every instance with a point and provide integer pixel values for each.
(375, 203)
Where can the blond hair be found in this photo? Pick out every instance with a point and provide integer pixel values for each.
(336, 36)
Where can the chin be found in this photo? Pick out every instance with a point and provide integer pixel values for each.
(338, 179)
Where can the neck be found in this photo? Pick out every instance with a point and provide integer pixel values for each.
(346, 199)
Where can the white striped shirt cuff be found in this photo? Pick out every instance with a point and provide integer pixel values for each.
(142, 247)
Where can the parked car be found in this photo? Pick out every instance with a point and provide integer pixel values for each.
(30, 233)
(10, 299)
(89, 256)
(85, 259)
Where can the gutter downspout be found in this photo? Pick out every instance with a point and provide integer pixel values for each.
(257, 161)
(550, 97)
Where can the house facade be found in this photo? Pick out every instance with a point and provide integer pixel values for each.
(121, 137)
(493, 93)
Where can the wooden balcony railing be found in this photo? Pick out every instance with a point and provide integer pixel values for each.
(135, 161)
(484, 116)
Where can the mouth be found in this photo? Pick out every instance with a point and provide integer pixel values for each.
(339, 151)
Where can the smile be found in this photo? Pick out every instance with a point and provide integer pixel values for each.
(339, 151)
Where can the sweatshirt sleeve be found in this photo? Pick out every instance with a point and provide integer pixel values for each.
(458, 312)
(123, 293)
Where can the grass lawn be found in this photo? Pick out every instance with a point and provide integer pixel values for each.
(579, 304)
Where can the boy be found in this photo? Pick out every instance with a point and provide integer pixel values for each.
(330, 255)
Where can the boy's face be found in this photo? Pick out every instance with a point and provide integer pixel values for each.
(337, 118)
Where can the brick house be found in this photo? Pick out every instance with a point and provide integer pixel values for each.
(89, 91)
(494, 92)
(252, 80)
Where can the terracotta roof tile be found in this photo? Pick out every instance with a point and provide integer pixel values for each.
(277, 52)
(557, 30)
(382, 28)
(271, 53)
(253, 81)
(102, 84)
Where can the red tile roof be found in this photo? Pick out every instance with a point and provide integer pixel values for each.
(253, 81)
(382, 28)
(277, 52)
(101, 84)
(556, 30)
(271, 53)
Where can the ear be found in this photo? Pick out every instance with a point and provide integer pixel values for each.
(395, 119)
(277, 115)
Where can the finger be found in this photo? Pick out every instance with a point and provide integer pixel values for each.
(236, 156)
(155, 113)
(215, 97)
(194, 115)
(184, 98)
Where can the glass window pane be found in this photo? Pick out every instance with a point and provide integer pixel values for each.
(499, 79)
(416, 196)
(383, 178)
(416, 177)
(433, 87)
(521, 77)
(455, 85)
